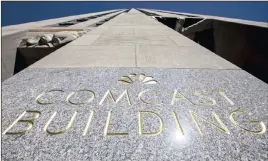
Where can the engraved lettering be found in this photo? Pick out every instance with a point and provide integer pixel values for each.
(60, 131)
(222, 93)
(161, 127)
(115, 101)
(106, 133)
(178, 96)
(178, 122)
(46, 103)
(30, 123)
(80, 103)
(222, 127)
(262, 125)
(88, 123)
(146, 102)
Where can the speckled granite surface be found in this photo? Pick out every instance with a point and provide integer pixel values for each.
(241, 92)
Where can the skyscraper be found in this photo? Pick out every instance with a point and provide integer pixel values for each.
(240, 42)
(137, 84)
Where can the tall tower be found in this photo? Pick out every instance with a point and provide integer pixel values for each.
(137, 84)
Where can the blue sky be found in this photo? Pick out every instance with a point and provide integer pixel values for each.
(22, 12)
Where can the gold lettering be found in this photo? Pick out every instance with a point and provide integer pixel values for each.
(224, 95)
(146, 102)
(46, 103)
(262, 125)
(30, 123)
(178, 96)
(213, 101)
(88, 123)
(80, 103)
(115, 101)
(60, 131)
(223, 128)
(141, 124)
(106, 133)
(178, 122)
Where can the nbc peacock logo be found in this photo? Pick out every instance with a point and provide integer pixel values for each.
(141, 78)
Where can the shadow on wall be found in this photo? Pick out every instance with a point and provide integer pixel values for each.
(243, 45)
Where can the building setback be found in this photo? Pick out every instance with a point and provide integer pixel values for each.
(135, 84)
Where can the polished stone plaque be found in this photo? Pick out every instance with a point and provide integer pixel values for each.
(134, 114)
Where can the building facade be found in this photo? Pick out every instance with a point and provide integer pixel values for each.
(240, 42)
(135, 84)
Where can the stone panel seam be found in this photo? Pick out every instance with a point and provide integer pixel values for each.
(95, 40)
(173, 41)
(92, 44)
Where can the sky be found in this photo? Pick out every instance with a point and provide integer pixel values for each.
(22, 12)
